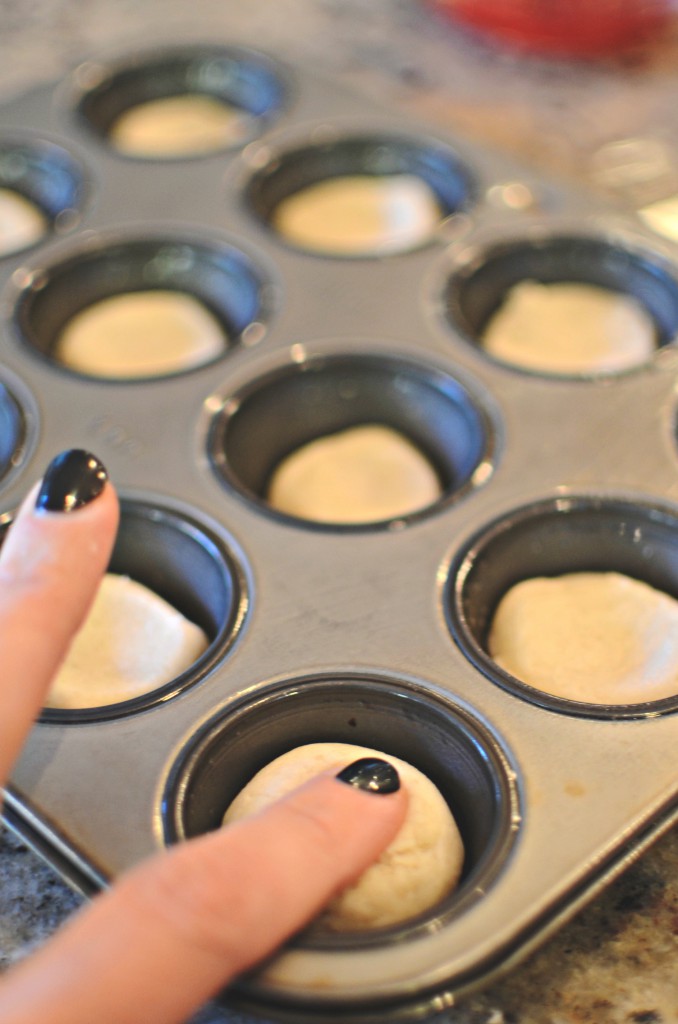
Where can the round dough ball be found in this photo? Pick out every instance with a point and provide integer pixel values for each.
(570, 328)
(140, 334)
(22, 223)
(132, 642)
(419, 868)
(361, 475)
(601, 638)
(359, 214)
(174, 126)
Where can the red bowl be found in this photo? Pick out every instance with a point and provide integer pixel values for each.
(563, 27)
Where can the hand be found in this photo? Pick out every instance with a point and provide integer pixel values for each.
(178, 927)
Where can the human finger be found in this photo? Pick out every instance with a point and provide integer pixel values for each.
(178, 928)
(51, 563)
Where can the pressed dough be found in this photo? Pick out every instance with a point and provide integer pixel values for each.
(601, 638)
(360, 475)
(132, 642)
(359, 214)
(22, 223)
(418, 869)
(174, 126)
(140, 334)
(570, 328)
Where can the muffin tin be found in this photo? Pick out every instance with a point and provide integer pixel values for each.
(369, 634)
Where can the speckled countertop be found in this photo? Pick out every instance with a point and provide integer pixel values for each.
(617, 962)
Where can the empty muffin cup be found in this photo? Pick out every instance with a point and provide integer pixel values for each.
(189, 566)
(130, 309)
(346, 398)
(443, 741)
(553, 540)
(41, 189)
(363, 195)
(186, 102)
(565, 305)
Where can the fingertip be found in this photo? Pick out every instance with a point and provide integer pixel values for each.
(371, 774)
(73, 479)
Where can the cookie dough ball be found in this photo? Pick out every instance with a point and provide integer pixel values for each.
(175, 126)
(419, 868)
(357, 215)
(361, 475)
(140, 334)
(132, 642)
(570, 328)
(22, 223)
(601, 638)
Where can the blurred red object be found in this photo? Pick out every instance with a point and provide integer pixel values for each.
(563, 27)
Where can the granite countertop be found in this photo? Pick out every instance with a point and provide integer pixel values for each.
(617, 962)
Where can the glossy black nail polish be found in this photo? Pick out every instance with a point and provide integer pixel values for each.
(72, 480)
(371, 774)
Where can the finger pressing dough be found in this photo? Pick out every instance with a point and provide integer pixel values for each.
(570, 328)
(140, 334)
(132, 642)
(22, 223)
(601, 638)
(173, 126)
(418, 869)
(359, 214)
(361, 475)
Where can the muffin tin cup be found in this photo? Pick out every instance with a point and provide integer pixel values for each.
(191, 567)
(248, 81)
(440, 738)
(552, 538)
(212, 271)
(12, 430)
(47, 175)
(326, 154)
(487, 268)
(288, 408)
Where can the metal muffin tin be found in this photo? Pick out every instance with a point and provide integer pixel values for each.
(373, 635)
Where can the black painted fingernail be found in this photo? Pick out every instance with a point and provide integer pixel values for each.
(72, 480)
(371, 774)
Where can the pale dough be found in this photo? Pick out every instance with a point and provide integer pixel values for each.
(174, 126)
(360, 475)
(360, 214)
(132, 642)
(138, 334)
(419, 868)
(22, 223)
(662, 217)
(570, 328)
(601, 638)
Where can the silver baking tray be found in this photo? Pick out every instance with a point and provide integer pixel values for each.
(372, 635)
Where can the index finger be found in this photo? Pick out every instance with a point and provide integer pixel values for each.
(183, 924)
(51, 563)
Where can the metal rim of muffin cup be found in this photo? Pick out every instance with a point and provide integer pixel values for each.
(216, 272)
(47, 175)
(249, 81)
(329, 151)
(195, 569)
(443, 739)
(475, 289)
(283, 409)
(578, 533)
